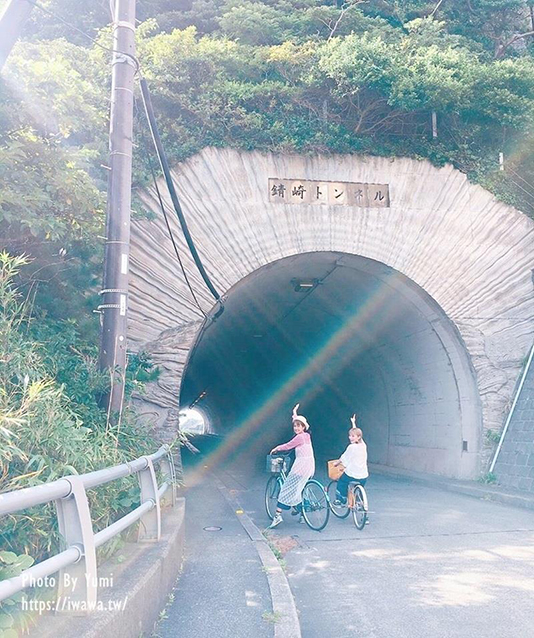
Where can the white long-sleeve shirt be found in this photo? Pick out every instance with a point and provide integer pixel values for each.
(354, 460)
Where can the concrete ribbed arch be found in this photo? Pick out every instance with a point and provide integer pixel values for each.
(469, 253)
(366, 340)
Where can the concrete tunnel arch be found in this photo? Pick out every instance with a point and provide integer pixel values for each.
(461, 261)
(364, 339)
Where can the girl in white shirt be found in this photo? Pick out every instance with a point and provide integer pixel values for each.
(354, 462)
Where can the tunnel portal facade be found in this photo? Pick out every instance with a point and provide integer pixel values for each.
(391, 288)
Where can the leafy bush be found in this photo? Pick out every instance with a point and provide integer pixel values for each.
(489, 478)
(370, 91)
(45, 432)
(12, 618)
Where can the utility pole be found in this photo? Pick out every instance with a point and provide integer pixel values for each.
(116, 259)
(12, 21)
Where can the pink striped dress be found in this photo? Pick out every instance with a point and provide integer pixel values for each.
(302, 469)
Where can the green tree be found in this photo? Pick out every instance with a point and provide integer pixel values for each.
(50, 425)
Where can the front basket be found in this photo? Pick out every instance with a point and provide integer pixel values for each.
(334, 472)
(275, 463)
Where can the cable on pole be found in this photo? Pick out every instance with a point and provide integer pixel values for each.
(161, 156)
(147, 102)
(167, 223)
(132, 58)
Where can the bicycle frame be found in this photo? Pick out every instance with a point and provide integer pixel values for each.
(312, 499)
(357, 503)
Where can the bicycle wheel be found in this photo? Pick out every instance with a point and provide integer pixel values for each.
(341, 511)
(315, 505)
(360, 509)
(272, 490)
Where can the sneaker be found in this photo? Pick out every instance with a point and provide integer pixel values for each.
(276, 521)
(340, 502)
(301, 519)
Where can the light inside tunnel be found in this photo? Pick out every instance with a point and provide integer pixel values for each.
(363, 338)
(193, 422)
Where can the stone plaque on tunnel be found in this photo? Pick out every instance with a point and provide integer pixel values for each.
(292, 191)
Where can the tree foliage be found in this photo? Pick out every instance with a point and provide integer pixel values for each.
(281, 75)
(372, 90)
(53, 112)
(50, 423)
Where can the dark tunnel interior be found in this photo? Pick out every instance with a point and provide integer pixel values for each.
(339, 334)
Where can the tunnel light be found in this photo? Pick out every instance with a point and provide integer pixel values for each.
(304, 285)
(193, 422)
(200, 396)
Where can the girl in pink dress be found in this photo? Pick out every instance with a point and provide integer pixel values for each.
(302, 469)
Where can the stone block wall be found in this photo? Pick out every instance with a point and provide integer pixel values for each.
(515, 464)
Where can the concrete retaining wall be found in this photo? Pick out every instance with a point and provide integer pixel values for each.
(140, 585)
(469, 252)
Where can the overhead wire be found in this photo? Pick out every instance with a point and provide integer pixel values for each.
(161, 156)
(167, 222)
(147, 102)
(530, 196)
(511, 170)
(85, 34)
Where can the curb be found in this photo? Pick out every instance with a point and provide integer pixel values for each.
(472, 489)
(281, 594)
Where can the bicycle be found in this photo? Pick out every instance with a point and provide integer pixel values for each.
(314, 508)
(356, 503)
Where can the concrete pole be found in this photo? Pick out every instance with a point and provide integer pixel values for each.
(115, 283)
(12, 21)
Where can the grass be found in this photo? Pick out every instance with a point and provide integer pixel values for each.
(272, 616)
(277, 554)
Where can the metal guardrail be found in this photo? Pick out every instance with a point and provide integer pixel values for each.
(78, 579)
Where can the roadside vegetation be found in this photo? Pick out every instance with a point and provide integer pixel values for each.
(50, 422)
(51, 426)
(302, 76)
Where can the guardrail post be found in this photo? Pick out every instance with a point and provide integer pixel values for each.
(78, 582)
(167, 467)
(150, 523)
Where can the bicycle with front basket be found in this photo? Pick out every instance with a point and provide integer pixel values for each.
(314, 507)
(356, 503)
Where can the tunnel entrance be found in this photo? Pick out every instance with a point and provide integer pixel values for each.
(340, 334)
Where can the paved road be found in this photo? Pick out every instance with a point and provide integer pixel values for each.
(430, 564)
(223, 590)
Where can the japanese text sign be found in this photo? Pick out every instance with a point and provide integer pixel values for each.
(292, 191)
